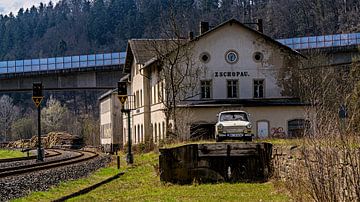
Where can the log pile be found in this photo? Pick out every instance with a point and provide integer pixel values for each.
(52, 139)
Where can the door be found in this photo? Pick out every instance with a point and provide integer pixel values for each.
(263, 129)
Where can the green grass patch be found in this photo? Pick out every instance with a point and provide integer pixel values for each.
(141, 183)
(282, 142)
(11, 154)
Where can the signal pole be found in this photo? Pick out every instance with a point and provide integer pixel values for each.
(122, 95)
(37, 98)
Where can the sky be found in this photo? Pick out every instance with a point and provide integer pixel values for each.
(7, 6)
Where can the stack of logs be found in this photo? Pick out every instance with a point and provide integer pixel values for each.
(52, 139)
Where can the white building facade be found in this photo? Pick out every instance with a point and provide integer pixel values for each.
(240, 70)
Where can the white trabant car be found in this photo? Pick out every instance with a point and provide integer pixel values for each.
(233, 125)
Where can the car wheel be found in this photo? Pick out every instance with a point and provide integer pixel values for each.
(248, 139)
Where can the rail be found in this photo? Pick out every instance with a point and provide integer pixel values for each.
(23, 169)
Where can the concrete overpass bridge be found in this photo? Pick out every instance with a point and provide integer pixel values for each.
(340, 49)
(92, 72)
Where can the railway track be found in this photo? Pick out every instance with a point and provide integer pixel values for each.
(49, 153)
(79, 156)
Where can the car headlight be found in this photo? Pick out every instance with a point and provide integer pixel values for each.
(248, 126)
(220, 127)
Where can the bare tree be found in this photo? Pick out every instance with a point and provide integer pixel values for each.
(178, 72)
(56, 117)
(8, 113)
(327, 166)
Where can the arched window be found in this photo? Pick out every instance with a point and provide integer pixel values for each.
(159, 128)
(164, 130)
(142, 133)
(155, 132)
(135, 134)
(139, 140)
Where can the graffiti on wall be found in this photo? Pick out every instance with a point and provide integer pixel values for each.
(278, 132)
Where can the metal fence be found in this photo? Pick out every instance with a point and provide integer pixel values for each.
(59, 63)
(322, 41)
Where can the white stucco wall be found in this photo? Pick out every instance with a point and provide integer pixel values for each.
(245, 43)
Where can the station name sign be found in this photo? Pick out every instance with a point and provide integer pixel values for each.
(231, 74)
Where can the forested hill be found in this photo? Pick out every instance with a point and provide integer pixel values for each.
(82, 26)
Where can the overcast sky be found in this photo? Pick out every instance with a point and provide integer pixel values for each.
(7, 6)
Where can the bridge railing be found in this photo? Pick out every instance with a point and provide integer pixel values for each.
(59, 63)
(322, 41)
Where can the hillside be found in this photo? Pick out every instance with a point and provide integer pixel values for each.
(83, 26)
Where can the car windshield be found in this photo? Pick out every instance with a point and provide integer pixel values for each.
(233, 116)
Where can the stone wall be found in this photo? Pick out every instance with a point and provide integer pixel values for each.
(284, 159)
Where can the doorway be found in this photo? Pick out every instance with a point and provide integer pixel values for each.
(263, 129)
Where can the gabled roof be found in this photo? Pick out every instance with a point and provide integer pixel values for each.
(234, 21)
(144, 50)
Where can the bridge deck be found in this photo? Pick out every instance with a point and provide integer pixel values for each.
(325, 41)
(77, 63)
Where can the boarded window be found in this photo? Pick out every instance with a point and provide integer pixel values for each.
(296, 127)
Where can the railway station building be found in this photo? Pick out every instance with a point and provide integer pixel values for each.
(240, 69)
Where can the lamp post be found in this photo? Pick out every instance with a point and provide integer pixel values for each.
(122, 95)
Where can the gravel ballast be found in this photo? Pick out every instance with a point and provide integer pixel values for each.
(21, 185)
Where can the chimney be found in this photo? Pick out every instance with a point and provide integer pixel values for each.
(259, 23)
(204, 27)
(191, 35)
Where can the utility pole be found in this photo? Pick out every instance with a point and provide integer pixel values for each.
(37, 98)
(122, 95)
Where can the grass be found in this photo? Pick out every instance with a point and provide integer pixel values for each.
(141, 183)
(11, 154)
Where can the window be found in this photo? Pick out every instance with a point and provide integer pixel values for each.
(155, 132)
(158, 92)
(142, 133)
(137, 103)
(141, 100)
(297, 127)
(163, 128)
(205, 89)
(154, 94)
(138, 130)
(232, 88)
(259, 88)
(258, 57)
(160, 137)
(205, 57)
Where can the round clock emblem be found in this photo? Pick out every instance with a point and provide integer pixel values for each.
(231, 56)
